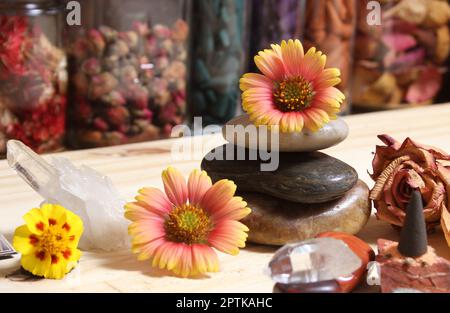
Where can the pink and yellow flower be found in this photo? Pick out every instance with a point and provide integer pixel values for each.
(294, 91)
(179, 229)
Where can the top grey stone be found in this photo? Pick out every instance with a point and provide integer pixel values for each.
(330, 135)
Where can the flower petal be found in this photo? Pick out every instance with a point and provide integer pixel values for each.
(175, 186)
(254, 80)
(54, 212)
(23, 240)
(293, 53)
(228, 236)
(185, 267)
(35, 265)
(235, 209)
(137, 211)
(153, 200)
(313, 64)
(35, 221)
(217, 197)
(198, 184)
(328, 78)
(74, 225)
(174, 257)
(204, 259)
(315, 119)
(270, 64)
(147, 250)
(58, 270)
(146, 230)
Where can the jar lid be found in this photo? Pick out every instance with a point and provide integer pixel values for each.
(30, 8)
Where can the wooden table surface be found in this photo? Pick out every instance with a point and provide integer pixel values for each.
(133, 166)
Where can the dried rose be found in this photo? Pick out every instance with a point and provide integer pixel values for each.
(161, 31)
(130, 38)
(100, 124)
(141, 28)
(426, 87)
(442, 44)
(102, 84)
(97, 41)
(12, 41)
(414, 11)
(114, 98)
(400, 168)
(118, 116)
(180, 31)
(91, 66)
(108, 33)
(399, 42)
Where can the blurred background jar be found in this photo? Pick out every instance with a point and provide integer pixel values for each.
(401, 62)
(328, 25)
(33, 75)
(127, 71)
(219, 58)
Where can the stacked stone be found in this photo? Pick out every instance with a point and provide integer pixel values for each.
(309, 193)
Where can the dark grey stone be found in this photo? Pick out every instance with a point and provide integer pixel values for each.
(312, 177)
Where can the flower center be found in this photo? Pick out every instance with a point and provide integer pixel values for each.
(293, 94)
(53, 240)
(188, 224)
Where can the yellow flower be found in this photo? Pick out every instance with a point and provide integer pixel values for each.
(49, 240)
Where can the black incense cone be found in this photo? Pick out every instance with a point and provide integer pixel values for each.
(413, 237)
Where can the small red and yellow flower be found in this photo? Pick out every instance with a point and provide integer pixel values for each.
(294, 91)
(48, 241)
(179, 229)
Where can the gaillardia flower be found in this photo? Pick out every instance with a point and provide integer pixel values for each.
(49, 240)
(294, 91)
(179, 229)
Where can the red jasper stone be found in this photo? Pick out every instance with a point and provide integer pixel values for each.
(343, 284)
(330, 286)
(362, 250)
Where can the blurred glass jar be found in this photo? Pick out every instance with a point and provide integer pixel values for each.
(219, 55)
(401, 62)
(127, 71)
(33, 75)
(328, 25)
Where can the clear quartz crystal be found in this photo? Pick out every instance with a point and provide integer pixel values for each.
(87, 193)
(312, 261)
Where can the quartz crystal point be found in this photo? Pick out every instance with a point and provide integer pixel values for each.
(87, 193)
(313, 261)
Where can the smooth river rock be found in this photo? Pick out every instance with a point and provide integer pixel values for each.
(306, 141)
(277, 222)
(309, 177)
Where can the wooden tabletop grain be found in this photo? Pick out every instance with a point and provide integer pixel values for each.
(133, 166)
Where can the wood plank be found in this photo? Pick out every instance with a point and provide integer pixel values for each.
(133, 166)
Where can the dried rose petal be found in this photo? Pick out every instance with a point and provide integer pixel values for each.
(399, 42)
(425, 87)
(409, 59)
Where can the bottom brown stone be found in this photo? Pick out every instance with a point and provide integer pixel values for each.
(278, 222)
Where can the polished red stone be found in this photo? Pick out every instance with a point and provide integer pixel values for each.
(343, 284)
(330, 286)
(362, 250)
